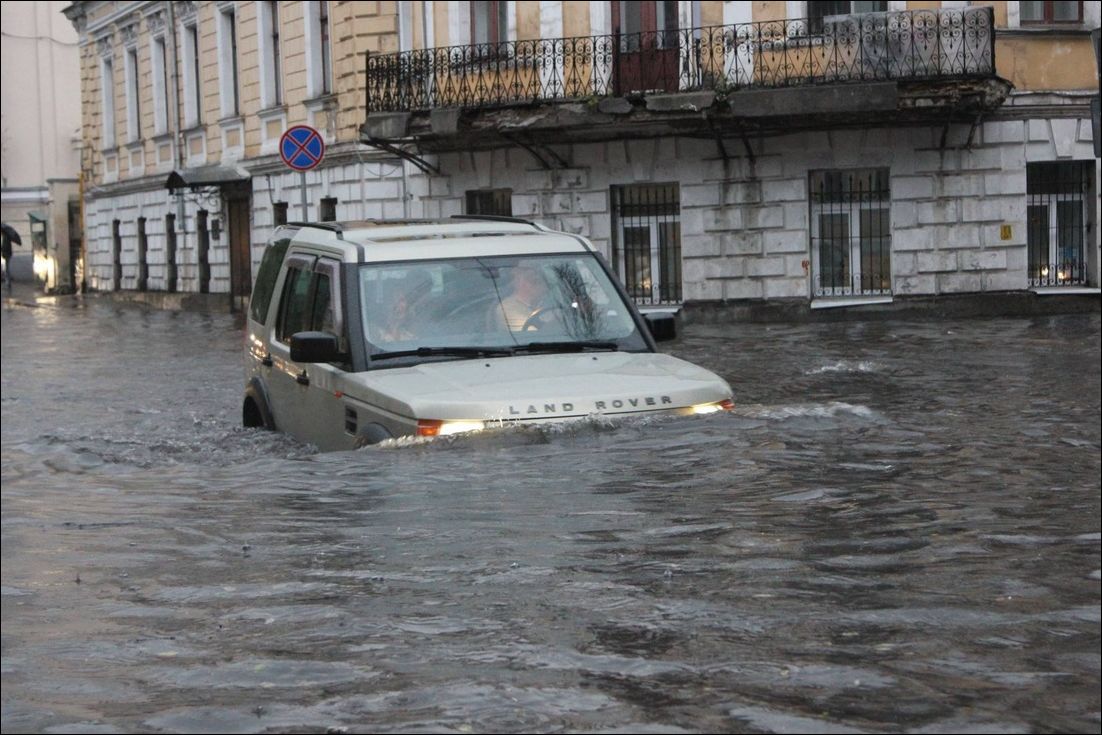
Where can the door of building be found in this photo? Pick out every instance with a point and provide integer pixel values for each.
(647, 54)
(240, 243)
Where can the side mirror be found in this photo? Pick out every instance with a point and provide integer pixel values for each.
(315, 347)
(663, 327)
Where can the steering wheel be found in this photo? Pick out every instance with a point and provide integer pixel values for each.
(467, 307)
(532, 323)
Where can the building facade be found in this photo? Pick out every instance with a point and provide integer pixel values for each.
(183, 105)
(805, 154)
(40, 142)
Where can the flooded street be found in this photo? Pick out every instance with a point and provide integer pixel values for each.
(897, 529)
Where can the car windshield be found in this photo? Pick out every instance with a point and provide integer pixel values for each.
(475, 307)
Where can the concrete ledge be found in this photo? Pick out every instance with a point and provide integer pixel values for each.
(956, 306)
(444, 120)
(843, 302)
(386, 125)
(1066, 291)
(209, 303)
(614, 105)
(680, 101)
(796, 101)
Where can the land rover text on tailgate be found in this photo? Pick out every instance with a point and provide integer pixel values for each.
(359, 332)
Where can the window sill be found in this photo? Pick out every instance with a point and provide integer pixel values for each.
(1041, 29)
(1065, 290)
(837, 302)
(270, 113)
(323, 102)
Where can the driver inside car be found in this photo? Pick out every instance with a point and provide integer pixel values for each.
(528, 306)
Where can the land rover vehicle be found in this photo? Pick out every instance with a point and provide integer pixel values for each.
(363, 331)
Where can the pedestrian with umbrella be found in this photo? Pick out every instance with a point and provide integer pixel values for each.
(8, 235)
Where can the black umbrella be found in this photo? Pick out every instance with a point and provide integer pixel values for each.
(11, 233)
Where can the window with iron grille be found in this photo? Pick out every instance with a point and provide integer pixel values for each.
(646, 241)
(1058, 222)
(170, 253)
(851, 234)
(116, 255)
(490, 201)
(143, 256)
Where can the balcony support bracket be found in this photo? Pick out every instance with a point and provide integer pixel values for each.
(718, 138)
(400, 152)
(546, 157)
(972, 133)
(747, 146)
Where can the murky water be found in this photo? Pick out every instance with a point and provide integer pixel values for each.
(897, 529)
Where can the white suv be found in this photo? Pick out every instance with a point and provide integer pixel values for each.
(359, 332)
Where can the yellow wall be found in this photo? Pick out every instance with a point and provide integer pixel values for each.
(528, 20)
(1046, 63)
(575, 18)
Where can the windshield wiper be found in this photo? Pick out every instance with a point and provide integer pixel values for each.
(567, 346)
(446, 352)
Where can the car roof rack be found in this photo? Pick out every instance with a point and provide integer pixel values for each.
(331, 226)
(494, 218)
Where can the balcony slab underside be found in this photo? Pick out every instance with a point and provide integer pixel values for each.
(700, 114)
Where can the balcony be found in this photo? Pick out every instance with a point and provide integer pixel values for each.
(907, 66)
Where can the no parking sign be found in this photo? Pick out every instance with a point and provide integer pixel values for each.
(302, 148)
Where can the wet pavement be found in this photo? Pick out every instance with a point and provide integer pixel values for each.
(897, 529)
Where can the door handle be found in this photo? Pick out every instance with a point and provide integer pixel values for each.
(302, 378)
(266, 361)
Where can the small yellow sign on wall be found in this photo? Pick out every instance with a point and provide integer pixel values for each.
(1005, 232)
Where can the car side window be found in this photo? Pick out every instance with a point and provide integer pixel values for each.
(294, 306)
(327, 315)
(266, 280)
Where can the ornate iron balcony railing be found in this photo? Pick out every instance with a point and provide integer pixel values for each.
(905, 45)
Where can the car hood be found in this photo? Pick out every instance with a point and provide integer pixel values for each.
(533, 387)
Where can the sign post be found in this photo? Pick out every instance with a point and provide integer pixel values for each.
(302, 148)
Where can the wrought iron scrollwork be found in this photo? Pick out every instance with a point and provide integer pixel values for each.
(903, 45)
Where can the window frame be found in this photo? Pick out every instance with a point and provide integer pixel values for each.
(495, 202)
(193, 81)
(228, 69)
(852, 204)
(271, 62)
(158, 55)
(132, 63)
(1049, 19)
(319, 52)
(497, 17)
(107, 90)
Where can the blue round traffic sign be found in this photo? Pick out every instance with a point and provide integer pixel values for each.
(301, 147)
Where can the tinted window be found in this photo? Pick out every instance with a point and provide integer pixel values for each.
(295, 307)
(323, 320)
(266, 280)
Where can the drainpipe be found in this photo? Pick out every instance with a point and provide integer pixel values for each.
(174, 90)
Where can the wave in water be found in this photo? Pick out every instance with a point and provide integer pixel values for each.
(845, 366)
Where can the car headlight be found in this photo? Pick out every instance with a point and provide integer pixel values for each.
(436, 427)
(725, 405)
